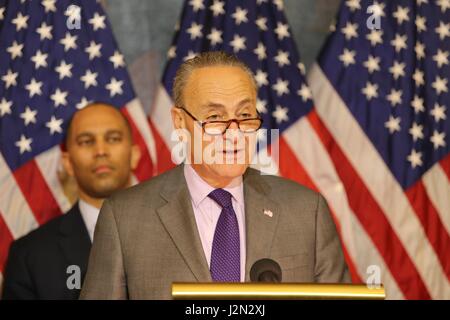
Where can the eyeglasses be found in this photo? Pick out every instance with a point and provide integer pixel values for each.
(219, 127)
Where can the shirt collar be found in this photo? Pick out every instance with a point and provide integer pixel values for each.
(90, 216)
(199, 188)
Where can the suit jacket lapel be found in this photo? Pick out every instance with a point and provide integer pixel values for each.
(260, 227)
(74, 239)
(178, 218)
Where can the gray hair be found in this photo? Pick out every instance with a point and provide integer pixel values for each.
(205, 59)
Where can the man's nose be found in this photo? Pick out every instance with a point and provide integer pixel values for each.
(233, 133)
(101, 149)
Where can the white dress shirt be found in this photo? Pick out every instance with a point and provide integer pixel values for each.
(207, 211)
(90, 216)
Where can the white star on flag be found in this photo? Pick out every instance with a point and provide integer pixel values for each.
(443, 30)
(69, 41)
(215, 36)
(282, 31)
(240, 15)
(24, 144)
(39, 59)
(89, 79)
(45, 31)
(438, 112)
(375, 37)
(64, 70)
(260, 51)
(444, 4)
(197, 5)
(440, 85)
(114, 87)
(399, 42)
(117, 59)
(15, 50)
(347, 57)
(395, 97)
(54, 125)
(420, 50)
(415, 158)
(281, 87)
(417, 104)
(441, 58)
(10, 78)
(195, 30)
(418, 77)
(401, 14)
(83, 103)
(282, 58)
(28, 116)
(5, 107)
(34, 87)
(350, 30)
(217, 8)
(370, 91)
(397, 70)
(416, 131)
(372, 64)
(20, 21)
(393, 124)
(59, 97)
(93, 50)
(97, 21)
(238, 43)
(261, 23)
(261, 106)
(353, 5)
(261, 78)
(438, 139)
(305, 93)
(49, 5)
(280, 114)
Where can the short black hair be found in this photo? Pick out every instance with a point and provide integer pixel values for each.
(91, 104)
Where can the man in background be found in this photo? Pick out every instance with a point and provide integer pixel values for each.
(100, 155)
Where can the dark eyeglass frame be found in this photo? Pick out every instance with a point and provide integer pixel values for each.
(228, 122)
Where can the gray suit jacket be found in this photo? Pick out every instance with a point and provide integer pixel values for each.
(146, 237)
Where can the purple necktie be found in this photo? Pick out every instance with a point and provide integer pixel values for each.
(225, 255)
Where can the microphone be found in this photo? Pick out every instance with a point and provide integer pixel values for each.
(265, 270)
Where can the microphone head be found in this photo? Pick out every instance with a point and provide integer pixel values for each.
(265, 270)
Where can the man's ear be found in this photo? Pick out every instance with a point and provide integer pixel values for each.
(67, 164)
(177, 118)
(135, 156)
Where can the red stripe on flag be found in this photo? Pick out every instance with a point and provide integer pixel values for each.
(164, 162)
(445, 164)
(5, 241)
(291, 168)
(372, 218)
(36, 191)
(431, 222)
(144, 169)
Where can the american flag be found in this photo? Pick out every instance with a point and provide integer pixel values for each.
(381, 94)
(373, 141)
(49, 69)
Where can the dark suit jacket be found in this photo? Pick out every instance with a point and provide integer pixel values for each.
(146, 237)
(37, 263)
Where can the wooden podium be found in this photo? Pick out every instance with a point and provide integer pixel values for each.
(274, 291)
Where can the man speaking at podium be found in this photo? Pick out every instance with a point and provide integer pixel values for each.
(211, 220)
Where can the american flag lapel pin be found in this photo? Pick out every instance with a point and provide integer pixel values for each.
(268, 213)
